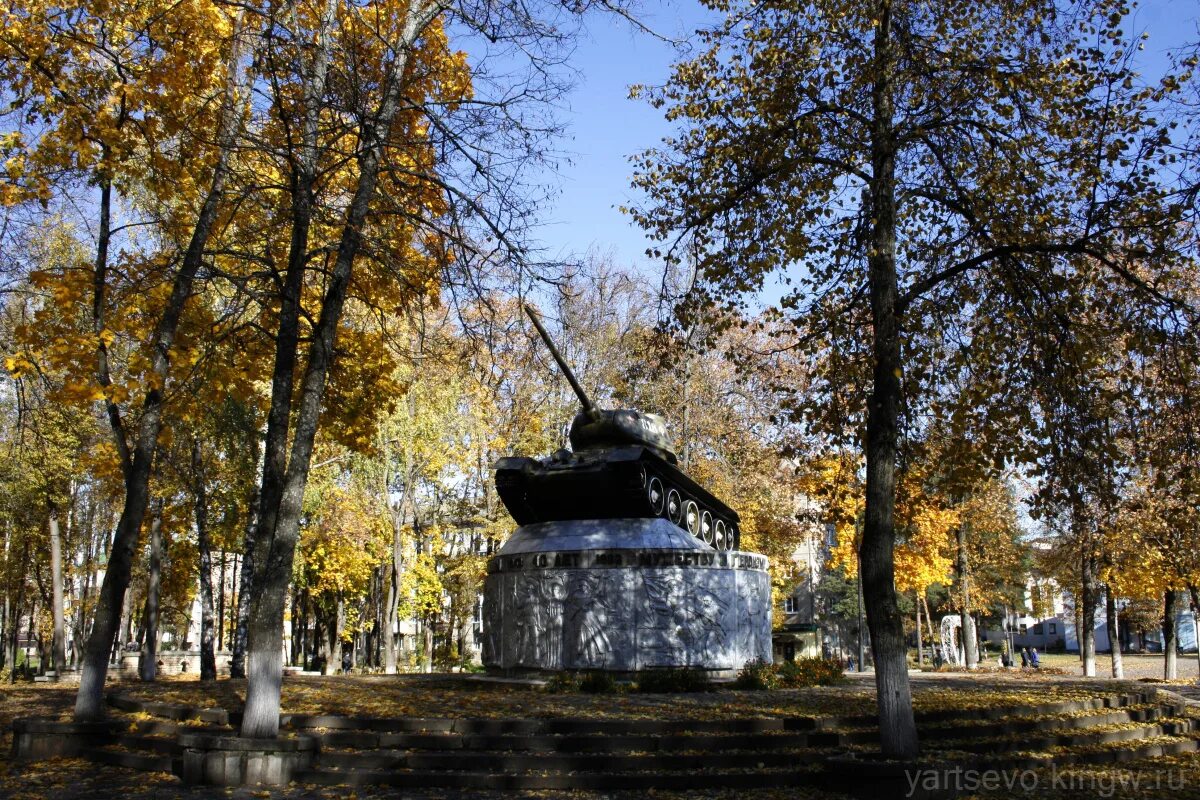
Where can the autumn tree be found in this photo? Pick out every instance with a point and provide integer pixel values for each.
(117, 106)
(406, 51)
(906, 165)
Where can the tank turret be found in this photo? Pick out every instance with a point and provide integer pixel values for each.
(621, 464)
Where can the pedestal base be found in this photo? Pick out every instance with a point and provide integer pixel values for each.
(623, 595)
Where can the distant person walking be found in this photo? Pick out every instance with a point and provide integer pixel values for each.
(1024, 657)
(1033, 658)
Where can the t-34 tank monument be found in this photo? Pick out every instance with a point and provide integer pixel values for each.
(621, 562)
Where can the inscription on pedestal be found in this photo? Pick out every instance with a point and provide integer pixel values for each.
(599, 559)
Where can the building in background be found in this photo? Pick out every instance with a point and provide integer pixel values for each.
(799, 632)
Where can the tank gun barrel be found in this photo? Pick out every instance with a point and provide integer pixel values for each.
(589, 408)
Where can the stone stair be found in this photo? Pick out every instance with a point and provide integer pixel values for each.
(565, 753)
(616, 754)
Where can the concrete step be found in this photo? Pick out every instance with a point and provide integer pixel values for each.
(1042, 709)
(1133, 732)
(562, 762)
(1148, 713)
(869, 777)
(615, 743)
(672, 754)
(592, 781)
(216, 716)
(535, 727)
(130, 759)
(153, 744)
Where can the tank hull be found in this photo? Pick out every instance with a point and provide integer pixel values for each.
(613, 483)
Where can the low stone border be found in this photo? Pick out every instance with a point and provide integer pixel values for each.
(214, 716)
(217, 760)
(37, 739)
(1117, 700)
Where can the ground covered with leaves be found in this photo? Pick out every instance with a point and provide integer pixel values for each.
(414, 696)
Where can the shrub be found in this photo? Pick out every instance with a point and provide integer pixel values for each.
(673, 680)
(813, 671)
(587, 682)
(757, 675)
(991, 668)
(597, 683)
(563, 683)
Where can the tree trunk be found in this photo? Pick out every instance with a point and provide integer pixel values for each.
(6, 614)
(427, 644)
(929, 625)
(1194, 591)
(89, 581)
(1078, 611)
(898, 732)
(127, 625)
(920, 643)
(280, 525)
(148, 664)
(271, 557)
(338, 640)
(392, 611)
(1170, 651)
(208, 656)
(31, 634)
(970, 653)
(237, 658)
(1114, 639)
(58, 647)
(1087, 641)
(220, 631)
(300, 646)
(232, 603)
(136, 464)
(14, 632)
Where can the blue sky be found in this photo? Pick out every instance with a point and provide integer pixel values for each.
(605, 127)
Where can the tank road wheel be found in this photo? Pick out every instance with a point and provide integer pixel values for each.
(657, 496)
(691, 516)
(721, 532)
(731, 538)
(674, 507)
(706, 527)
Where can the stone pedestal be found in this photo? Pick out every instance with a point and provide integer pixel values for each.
(233, 761)
(623, 595)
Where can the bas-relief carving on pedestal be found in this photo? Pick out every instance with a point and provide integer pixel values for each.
(683, 619)
(592, 627)
(533, 607)
(493, 623)
(625, 611)
(753, 617)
